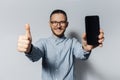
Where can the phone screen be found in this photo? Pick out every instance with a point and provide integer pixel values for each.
(92, 26)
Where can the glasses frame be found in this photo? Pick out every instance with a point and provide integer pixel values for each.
(55, 23)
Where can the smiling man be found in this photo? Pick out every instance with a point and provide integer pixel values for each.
(58, 23)
(57, 52)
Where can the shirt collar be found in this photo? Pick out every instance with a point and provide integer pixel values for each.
(58, 39)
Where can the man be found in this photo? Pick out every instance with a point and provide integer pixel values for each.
(57, 52)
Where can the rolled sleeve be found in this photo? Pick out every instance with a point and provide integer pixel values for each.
(79, 52)
(37, 51)
(35, 54)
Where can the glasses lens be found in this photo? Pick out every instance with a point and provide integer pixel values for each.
(56, 23)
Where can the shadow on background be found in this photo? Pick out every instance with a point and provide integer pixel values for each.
(83, 68)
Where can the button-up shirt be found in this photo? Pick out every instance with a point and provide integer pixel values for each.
(58, 56)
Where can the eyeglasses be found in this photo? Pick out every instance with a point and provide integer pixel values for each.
(55, 23)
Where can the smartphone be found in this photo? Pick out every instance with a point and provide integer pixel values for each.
(92, 27)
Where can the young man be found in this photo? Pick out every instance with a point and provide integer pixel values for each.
(57, 52)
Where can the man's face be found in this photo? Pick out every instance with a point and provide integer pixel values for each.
(58, 24)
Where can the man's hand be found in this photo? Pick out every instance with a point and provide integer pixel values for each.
(24, 41)
(87, 47)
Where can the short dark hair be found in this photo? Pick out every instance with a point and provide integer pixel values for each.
(59, 11)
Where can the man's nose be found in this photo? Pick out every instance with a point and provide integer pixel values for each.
(58, 25)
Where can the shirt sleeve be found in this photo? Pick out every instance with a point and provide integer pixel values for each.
(78, 51)
(37, 51)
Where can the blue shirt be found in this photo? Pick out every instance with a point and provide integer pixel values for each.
(58, 56)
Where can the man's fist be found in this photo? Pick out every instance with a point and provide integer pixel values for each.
(24, 41)
(87, 47)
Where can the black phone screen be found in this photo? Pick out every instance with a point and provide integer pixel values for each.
(92, 26)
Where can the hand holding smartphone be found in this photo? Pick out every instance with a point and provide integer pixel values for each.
(92, 27)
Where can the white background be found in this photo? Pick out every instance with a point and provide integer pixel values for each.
(103, 64)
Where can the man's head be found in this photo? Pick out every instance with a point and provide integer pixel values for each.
(58, 22)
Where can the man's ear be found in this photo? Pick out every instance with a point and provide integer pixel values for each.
(67, 23)
(49, 23)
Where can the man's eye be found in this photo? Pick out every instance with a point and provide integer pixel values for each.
(55, 22)
(62, 22)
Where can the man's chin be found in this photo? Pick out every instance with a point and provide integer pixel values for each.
(58, 34)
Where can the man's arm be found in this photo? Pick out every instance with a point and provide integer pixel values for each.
(35, 53)
(83, 51)
(25, 46)
(79, 52)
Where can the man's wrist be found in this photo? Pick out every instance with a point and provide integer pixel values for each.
(30, 50)
(86, 49)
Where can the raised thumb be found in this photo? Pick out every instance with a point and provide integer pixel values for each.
(28, 33)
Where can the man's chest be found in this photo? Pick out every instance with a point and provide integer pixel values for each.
(57, 54)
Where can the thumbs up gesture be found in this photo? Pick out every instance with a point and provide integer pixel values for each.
(24, 41)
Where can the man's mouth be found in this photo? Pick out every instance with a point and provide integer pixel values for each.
(58, 30)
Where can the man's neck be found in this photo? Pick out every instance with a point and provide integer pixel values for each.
(58, 36)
